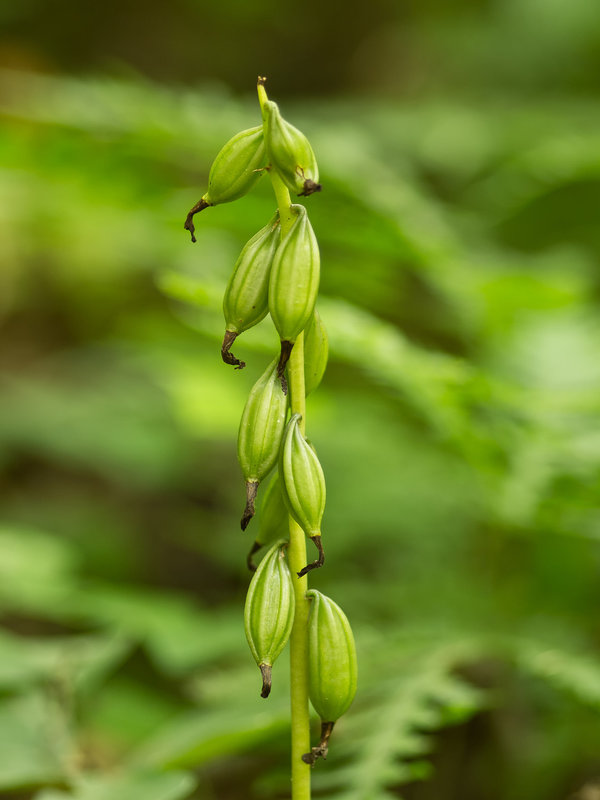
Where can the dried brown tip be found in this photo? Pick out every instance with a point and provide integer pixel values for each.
(265, 671)
(254, 549)
(310, 187)
(286, 351)
(261, 80)
(189, 224)
(320, 560)
(321, 750)
(229, 358)
(251, 490)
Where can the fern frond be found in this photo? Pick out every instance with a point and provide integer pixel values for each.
(572, 672)
(383, 741)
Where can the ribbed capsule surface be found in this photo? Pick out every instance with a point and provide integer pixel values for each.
(261, 427)
(290, 153)
(331, 658)
(302, 479)
(237, 167)
(294, 280)
(246, 299)
(269, 611)
(260, 434)
(316, 352)
(235, 170)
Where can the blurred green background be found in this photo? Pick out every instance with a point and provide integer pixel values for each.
(458, 423)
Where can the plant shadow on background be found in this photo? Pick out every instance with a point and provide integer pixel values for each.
(458, 425)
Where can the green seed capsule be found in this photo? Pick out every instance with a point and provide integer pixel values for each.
(246, 300)
(316, 351)
(332, 666)
(235, 170)
(290, 153)
(303, 486)
(294, 282)
(269, 611)
(260, 434)
(273, 520)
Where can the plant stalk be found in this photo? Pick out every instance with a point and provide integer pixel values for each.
(297, 548)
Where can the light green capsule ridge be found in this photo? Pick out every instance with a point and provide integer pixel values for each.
(272, 519)
(246, 299)
(294, 282)
(316, 352)
(235, 170)
(290, 153)
(269, 611)
(332, 666)
(260, 434)
(303, 486)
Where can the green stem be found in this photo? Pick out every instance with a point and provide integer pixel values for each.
(297, 547)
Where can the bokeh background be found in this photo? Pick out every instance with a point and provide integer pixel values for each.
(458, 422)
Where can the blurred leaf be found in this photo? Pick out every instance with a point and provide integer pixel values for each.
(133, 786)
(573, 672)
(197, 738)
(391, 723)
(178, 635)
(456, 424)
(36, 570)
(82, 660)
(32, 747)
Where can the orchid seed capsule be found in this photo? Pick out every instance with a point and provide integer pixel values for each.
(246, 302)
(316, 351)
(303, 486)
(290, 153)
(235, 170)
(294, 283)
(332, 666)
(273, 521)
(269, 611)
(260, 434)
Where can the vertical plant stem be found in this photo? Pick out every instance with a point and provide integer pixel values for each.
(297, 547)
(299, 636)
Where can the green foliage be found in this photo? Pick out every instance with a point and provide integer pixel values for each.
(143, 786)
(457, 426)
(387, 738)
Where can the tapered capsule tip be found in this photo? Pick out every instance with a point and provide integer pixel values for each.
(284, 357)
(320, 560)
(251, 490)
(321, 750)
(265, 671)
(310, 187)
(189, 220)
(229, 358)
(249, 560)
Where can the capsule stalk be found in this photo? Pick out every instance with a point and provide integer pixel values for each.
(322, 749)
(265, 671)
(320, 560)
(226, 355)
(249, 511)
(189, 224)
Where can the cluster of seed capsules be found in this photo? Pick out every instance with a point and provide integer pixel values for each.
(278, 274)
